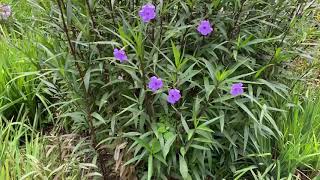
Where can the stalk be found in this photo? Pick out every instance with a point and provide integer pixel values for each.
(72, 49)
(94, 24)
(87, 95)
(112, 15)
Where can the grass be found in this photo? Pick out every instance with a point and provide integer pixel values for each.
(23, 105)
(27, 154)
(21, 84)
(299, 148)
(296, 153)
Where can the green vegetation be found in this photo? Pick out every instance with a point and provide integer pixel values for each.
(299, 146)
(70, 109)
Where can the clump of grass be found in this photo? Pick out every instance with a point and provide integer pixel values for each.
(299, 148)
(27, 154)
(20, 81)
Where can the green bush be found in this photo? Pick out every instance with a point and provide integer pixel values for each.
(208, 132)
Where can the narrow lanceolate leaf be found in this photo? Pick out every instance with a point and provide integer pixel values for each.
(183, 167)
(168, 145)
(69, 12)
(199, 147)
(176, 54)
(204, 128)
(98, 117)
(142, 143)
(211, 69)
(207, 123)
(245, 108)
(208, 88)
(184, 124)
(246, 136)
(86, 79)
(150, 167)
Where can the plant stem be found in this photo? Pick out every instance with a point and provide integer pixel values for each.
(148, 105)
(93, 21)
(94, 137)
(286, 30)
(72, 49)
(87, 96)
(112, 15)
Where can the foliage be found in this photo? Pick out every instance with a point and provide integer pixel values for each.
(77, 84)
(298, 149)
(26, 154)
(20, 83)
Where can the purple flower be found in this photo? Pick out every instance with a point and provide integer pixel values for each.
(173, 96)
(5, 12)
(155, 83)
(236, 89)
(148, 12)
(205, 28)
(120, 55)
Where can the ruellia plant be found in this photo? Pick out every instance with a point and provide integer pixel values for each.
(172, 89)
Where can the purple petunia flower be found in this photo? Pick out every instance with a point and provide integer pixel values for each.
(205, 28)
(236, 89)
(173, 96)
(120, 55)
(148, 12)
(5, 12)
(155, 83)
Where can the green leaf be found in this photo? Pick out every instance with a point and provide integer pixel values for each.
(221, 123)
(98, 117)
(211, 69)
(184, 124)
(183, 151)
(188, 75)
(86, 79)
(246, 135)
(261, 70)
(150, 167)
(112, 3)
(134, 159)
(156, 147)
(257, 41)
(208, 88)
(177, 55)
(241, 172)
(69, 12)
(196, 146)
(142, 143)
(160, 158)
(204, 128)
(168, 145)
(168, 135)
(162, 128)
(245, 108)
(183, 167)
(275, 87)
(190, 134)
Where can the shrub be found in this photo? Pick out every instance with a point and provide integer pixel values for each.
(178, 89)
